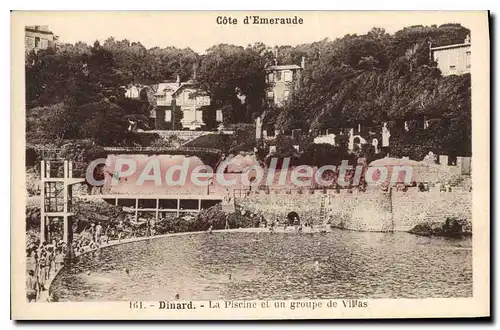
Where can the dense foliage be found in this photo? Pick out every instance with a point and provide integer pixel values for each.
(76, 92)
(377, 78)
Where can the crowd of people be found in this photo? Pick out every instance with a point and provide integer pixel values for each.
(46, 258)
(285, 222)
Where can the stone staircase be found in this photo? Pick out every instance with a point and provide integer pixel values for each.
(189, 139)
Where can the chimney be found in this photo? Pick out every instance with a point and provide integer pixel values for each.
(303, 63)
(178, 80)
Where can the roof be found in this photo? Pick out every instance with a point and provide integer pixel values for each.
(451, 46)
(283, 67)
(173, 86)
(40, 29)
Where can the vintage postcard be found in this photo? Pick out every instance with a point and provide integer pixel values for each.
(250, 165)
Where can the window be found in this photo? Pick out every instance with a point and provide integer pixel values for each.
(285, 95)
(467, 59)
(426, 124)
(37, 42)
(452, 61)
(165, 99)
(271, 131)
(218, 116)
(270, 96)
(288, 76)
(270, 77)
(452, 160)
(278, 75)
(168, 115)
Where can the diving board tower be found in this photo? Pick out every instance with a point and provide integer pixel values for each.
(56, 197)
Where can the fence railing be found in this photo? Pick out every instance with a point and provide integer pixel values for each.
(162, 149)
(244, 193)
(185, 133)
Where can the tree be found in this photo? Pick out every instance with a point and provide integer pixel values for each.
(323, 154)
(52, 122)
(103, 122)
(209, 116)
(284, 149)
(234, 78)
(51, 76)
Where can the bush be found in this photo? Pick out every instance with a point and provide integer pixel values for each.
(142, 139)
(217, 218)
(213, 216)
(33, 218)
(32, 182)
(97, 210)
(212, 141)
(173, 224)
(323, 154)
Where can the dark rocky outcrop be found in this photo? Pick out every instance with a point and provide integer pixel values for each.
(452, 227)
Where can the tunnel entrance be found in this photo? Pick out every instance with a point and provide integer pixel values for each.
(292, 216)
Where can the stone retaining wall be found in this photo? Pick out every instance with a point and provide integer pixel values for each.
(280, 204)
(373, 210)
(413, 207)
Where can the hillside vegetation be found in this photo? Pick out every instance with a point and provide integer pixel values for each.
(75, 92)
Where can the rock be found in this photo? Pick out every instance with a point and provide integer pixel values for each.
(426, 229)
(451, 227)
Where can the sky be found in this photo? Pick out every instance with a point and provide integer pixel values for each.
(199, 30)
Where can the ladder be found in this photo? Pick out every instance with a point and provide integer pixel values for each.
(322, 210)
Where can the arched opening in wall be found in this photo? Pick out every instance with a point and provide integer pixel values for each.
(293, 218)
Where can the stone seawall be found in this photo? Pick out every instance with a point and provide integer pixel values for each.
(280, 204)
(373, 210)
(363, 211)
(413, 207)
